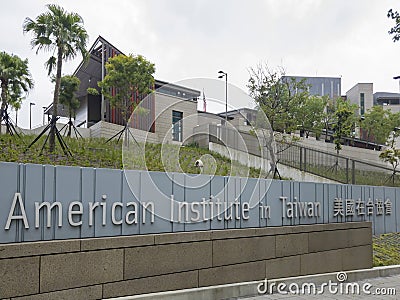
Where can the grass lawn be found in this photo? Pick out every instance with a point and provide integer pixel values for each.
(386, 249)
(94, 152)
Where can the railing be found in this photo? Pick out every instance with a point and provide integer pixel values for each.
(336, 167)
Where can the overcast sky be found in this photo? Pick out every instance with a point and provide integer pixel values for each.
(196, 38)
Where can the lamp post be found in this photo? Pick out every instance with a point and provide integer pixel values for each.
(396, 78)
(44, 113)
(30, 114)
(222, 75)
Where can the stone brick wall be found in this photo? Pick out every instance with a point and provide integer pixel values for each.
(117, 266)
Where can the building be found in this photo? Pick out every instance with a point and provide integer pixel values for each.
(388, 100)
(321, 86)
(362, 94)
(167, 108)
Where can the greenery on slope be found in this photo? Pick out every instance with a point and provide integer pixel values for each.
(387, 249)
(96, 153)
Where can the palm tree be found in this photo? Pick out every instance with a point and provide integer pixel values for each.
(69, 86)
(62, 33)
(15, 80)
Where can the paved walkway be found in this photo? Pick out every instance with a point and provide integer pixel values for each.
(379, 288)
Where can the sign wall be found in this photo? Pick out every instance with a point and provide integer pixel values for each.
(41, 202)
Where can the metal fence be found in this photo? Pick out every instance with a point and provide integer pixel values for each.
(336, 167)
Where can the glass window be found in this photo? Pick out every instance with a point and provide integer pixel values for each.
(362, 105)
(177, 125)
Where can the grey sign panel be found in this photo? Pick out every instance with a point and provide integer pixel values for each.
(9, 183)
(217, 188)
(32, 177)
(88, 188)
(67, 189)
(262, 206)
(155, 187)
(178, 191)
(390, 220)
(251, 194)
(307, 193)
(378, 202)
(130, 194)
(197, 189)
(49, 184)
(273, 201)
(57, 202)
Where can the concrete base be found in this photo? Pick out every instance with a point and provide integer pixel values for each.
(132, 265)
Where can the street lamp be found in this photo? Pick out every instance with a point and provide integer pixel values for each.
(30, 114)
(44, 113)
(396, 78)
(222, 75)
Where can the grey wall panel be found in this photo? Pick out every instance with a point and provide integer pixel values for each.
(379, 222)
(390, 219)
(230, 195)
(8, 187)
(178, 190)
(88, 187)
(130, 193)
(108, 182)
(325, 203)
(273, 195)
(49, 196)
(356, 194)
(67, 190)
(294, 198)
(320, 196)
(217, 191)
(288, 189)
(331, 195)
(368, 194)
(197, 187)
(251, 195)
(308, 194)
(156, 187)
(33, 192)
(263, 187)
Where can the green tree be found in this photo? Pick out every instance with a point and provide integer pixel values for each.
(278, 96)
(63, 34)
(15, 80)
(328, 115)
(391, 156)
(344, 119)
(277, 99)
(379, 123)
(395, 30)
(310, 115)
(68, 88)
(126, 76)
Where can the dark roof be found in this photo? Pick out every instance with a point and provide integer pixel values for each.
(89, 72)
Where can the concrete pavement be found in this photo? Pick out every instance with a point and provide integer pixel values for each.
(375, 281)
(376, 288)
